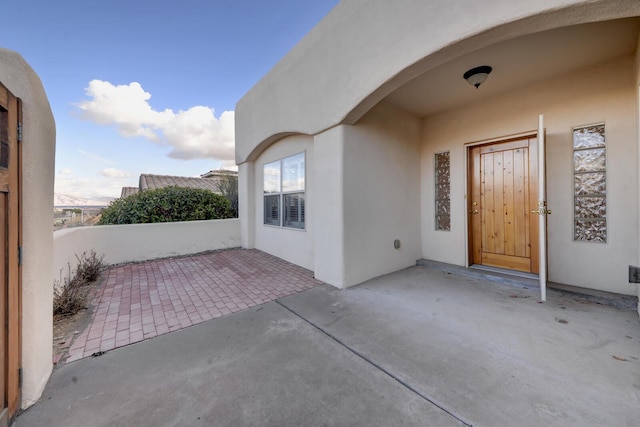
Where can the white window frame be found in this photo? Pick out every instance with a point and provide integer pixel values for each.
(282, 196)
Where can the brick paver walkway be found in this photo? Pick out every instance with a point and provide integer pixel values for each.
(141, 301)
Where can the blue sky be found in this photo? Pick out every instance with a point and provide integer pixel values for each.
(143, 86)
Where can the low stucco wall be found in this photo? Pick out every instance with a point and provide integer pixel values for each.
(142, 242)
(38, 165)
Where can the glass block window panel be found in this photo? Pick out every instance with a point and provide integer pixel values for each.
(443, 191)
(294, 210)
(272, 209)
(590, 184)
(589, 160)
(591, 231)
(588, 137)
(591, 207)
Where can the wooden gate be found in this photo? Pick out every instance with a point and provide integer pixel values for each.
(10, 229)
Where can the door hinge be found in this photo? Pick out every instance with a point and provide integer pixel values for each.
(19, 377)
(19, 132)
(19, 255)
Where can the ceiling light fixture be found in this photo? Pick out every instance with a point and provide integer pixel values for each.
(476, 76)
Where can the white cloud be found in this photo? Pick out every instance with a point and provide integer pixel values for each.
(115, 173)
(69, 182)
(192, 134)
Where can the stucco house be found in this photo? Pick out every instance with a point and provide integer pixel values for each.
(369, 145)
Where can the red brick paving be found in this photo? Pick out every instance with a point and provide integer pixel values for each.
(141, 301)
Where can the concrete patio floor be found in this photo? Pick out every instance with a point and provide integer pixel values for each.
(419, 347)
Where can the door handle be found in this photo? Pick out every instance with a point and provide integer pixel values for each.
(542, 211)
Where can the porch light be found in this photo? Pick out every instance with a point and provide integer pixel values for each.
(476, 76)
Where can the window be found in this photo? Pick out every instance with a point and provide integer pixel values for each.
(284, 183)
(443, 191)
(590, 179)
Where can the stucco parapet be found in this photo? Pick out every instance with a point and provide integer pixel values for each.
(364, 49)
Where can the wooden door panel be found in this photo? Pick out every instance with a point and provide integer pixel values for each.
(487, 204)
(508, 211)
(501, 224)
(498, 203)
(532, 184)
(506, 261)
(475, 229)
(520, 202)
(3, 303)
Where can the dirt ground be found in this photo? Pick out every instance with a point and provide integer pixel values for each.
(66, 328)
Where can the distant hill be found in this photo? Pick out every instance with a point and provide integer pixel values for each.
(66, 200)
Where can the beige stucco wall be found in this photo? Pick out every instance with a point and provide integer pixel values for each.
(365, 49)
(330, 261)
(381, 193)
(246, 203)
(602, 94)
(141, 242)
(38, 158)
(290, 244)
(362, 193)
(368, 196)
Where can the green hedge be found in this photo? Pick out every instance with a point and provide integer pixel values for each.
(167, 205)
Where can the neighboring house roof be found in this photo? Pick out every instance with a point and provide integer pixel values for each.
(127, 191)
(152, 182)
(218, 173)
(206, 181)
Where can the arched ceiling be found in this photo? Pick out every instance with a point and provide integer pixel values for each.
(517, 62)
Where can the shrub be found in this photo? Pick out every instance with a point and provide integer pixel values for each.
(228, 187)
(71, 296)
(68, 300)
(88, 268)
(167, 205)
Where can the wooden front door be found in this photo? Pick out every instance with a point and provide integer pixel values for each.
(503, 181)
(10, 112)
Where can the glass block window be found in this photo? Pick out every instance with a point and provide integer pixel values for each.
(284, 191)
(443, 191)
(590, 184)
